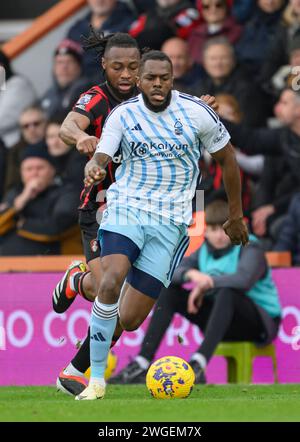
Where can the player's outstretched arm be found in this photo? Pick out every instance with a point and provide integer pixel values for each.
(72, 132)
(235, 227)
(95, 169)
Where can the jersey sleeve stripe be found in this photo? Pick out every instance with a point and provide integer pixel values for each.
(203, 105)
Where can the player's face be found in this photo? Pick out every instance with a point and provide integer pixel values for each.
(217, 237)
(56, 146)
(121, 68)
(156, 81)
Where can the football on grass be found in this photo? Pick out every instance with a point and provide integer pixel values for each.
(170, 377)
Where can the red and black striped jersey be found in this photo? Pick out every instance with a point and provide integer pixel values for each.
(96, 104)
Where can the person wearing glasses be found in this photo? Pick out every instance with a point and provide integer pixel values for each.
(216, 21)
(32, 124)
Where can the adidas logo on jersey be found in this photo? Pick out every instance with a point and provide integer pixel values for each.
(137, 127)
(98, 337)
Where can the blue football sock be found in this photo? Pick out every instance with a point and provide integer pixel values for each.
(103, 324)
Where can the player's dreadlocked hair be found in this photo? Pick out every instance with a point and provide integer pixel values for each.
(102, 43)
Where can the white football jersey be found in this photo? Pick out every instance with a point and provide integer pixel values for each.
(160, 153)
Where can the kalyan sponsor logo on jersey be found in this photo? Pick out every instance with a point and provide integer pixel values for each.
(165, 149)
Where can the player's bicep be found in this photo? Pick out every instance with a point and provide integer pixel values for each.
(213, 134)
(222, 154)
(80, 120)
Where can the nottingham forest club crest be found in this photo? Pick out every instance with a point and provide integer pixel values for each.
(178, 127)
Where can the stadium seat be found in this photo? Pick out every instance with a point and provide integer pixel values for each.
(240, 355)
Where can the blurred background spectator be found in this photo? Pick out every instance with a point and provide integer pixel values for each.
(3, 153)
(169, 18)
(105, 15)
(211, 171)
(18, 94)
(289, 234)
(68, 162)
(259, 33)
(217, 21)
(286, 31)
(143, 5)
(280, 177)
(287, 72)
(224, 75)
(242, 9)
(32, 124)
(68, 82)
(36, 216)
(187, 73)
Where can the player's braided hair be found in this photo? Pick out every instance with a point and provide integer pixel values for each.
(101, 43)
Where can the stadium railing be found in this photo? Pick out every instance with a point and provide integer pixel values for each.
(42, 26)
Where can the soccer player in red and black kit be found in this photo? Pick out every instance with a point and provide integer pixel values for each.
(119, 57)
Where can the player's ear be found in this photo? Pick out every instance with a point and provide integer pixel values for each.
(103, 63)
(138, 81)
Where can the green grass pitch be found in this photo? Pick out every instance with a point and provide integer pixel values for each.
(134, 404)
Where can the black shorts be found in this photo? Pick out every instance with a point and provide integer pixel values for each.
(89, 231)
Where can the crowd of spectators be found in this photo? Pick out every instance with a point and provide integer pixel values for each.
(246, 53)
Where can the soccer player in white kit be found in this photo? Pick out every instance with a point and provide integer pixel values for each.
(143, 232)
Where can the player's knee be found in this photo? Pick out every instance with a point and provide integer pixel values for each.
(129, 322)
(109, 289)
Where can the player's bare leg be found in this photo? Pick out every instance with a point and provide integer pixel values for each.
(76, 280)
(71, 379)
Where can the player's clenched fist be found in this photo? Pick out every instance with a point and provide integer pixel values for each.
(93, 173)
(237, 231)
(87, 144)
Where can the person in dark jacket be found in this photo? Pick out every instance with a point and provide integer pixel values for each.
(68, 82)
(278, 54)
(230, 296)
(258, 34)
(35, 217)
(168, 19)
(107, 16)
(68, 162)
(289, 234)
(32, 124)
(281, 178)
(224, 75)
